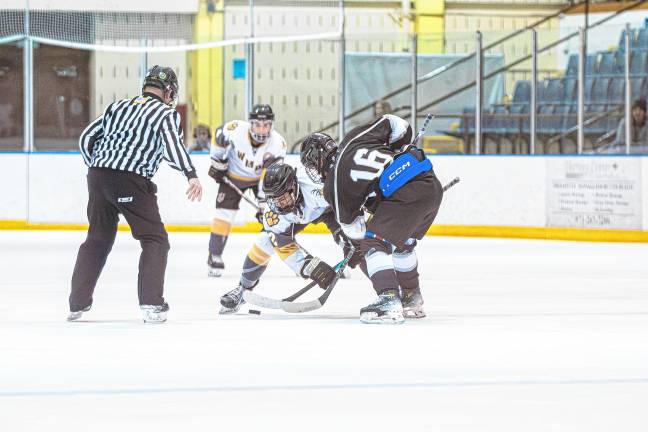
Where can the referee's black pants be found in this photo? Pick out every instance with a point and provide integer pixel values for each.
(111, 192)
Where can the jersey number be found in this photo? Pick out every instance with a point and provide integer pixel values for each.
(373, 159)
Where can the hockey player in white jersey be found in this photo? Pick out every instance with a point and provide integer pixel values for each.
(241, 150)
(293, 201)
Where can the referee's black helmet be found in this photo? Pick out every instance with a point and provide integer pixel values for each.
(163, 78)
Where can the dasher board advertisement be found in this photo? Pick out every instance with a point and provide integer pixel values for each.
(594, 192)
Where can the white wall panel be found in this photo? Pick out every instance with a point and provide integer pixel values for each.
(57, 188)
(494, 190)
(504, 191)
(644, 188)
(13, 187)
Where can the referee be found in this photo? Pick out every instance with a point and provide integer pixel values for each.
(123, 149)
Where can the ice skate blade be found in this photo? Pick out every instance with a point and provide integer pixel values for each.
(387, 318)
(73, 316)
(414, 313)
(227, 311)
(212, 272)
(153, 318)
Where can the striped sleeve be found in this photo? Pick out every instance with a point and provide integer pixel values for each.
(91, 134)
(175, 152)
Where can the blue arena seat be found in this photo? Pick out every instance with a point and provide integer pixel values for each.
(552, 91)
(569, 91)
(591, 65)
(639, 63)
(616, 91)
(600, 90)
(522, 92)
(633, 37)
(607, 63)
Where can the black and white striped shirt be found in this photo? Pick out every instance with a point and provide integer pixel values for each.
(134, 135)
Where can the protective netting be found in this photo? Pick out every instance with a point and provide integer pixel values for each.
(12, 23)
(211, 24)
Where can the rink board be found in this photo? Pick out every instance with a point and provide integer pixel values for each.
(555, 197)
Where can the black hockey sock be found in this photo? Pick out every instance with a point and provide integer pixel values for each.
(251, 273)
(406, 267)
(381, 271)
(217, 244)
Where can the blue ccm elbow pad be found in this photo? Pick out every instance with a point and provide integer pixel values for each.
(403, 169)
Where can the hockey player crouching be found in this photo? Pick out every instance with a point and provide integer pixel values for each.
(241, 151)
(375, 169)
(293, 202)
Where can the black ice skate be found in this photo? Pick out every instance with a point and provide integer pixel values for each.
(231, 302)
(412, 303)
(386, 310)
(154, 314)
(215, 265)
(75, 315)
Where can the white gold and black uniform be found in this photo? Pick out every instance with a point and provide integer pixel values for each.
(351, 187)
(237, 155)
(279, 236)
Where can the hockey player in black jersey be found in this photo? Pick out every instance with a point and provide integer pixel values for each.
(375, 170)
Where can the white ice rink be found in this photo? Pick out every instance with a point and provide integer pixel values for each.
(520, 336)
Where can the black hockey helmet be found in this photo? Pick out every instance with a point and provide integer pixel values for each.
(163, 78)
(281, 188)
(261, 121)
(317, 154)
(261, 112)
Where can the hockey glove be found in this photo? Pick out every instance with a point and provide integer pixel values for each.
(260, 211)
(357, 256)
(218, 169)
(318, 270)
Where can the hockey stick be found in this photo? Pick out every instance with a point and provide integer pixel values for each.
(256, 299)
(285, 304)
(421, 132)
(453, 182)
(229, 183)
(271, 303)
(291, 307)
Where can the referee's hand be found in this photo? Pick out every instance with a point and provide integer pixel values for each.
(195, 190)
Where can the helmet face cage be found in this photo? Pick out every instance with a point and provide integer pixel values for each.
(315, 150)
(260, 117)
(286, 202)
(281, 188)
(260, 130)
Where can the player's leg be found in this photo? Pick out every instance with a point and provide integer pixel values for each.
(103, 218)
(380, 269)
(227, 203)
(406, 267)
(255, 264)
(424, 198)
(143, 216)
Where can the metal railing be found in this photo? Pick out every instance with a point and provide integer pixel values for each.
(535, 51)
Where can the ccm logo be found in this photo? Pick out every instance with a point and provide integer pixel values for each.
(398, 170)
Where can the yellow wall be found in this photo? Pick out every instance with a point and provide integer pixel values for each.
(430, 25)
(207, 67)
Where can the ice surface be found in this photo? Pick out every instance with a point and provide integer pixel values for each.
(520, 336)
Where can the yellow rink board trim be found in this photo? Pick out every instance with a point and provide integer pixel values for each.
(576, 234)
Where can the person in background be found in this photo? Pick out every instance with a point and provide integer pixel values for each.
(639, 126)
(240, 152)
(202, 139)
